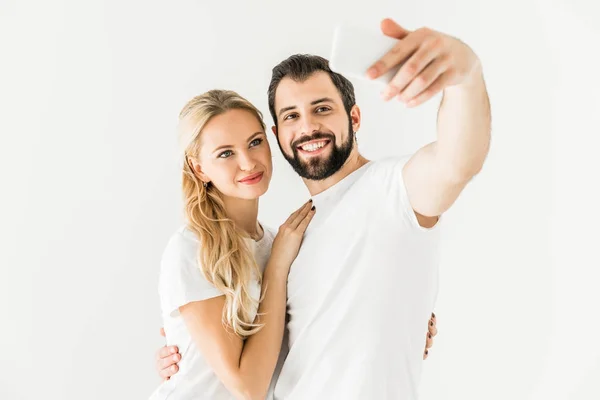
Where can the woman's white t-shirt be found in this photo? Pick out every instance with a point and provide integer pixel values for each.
(180, 283)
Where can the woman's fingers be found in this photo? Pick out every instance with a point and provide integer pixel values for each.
(301, 228)
(428, 341)
(302, 213)
(433, 326)
(295, 214)
(431, 332)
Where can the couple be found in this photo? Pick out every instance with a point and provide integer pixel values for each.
(351, 276)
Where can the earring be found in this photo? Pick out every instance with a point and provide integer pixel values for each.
(204, 184)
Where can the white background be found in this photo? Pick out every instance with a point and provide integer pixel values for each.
(89, 96)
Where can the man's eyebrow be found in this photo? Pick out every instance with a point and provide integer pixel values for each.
(312, 103)
(321, 100)
(284, 109)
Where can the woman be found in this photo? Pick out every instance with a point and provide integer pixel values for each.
(212, 269)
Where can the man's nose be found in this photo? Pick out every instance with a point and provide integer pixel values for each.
(308, 125)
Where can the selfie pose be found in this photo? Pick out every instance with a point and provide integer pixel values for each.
(359, 259)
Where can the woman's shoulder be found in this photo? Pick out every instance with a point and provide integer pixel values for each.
(183, 244)
(181, 280)
(183, 236)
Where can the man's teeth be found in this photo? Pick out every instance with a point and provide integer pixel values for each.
(313, 146)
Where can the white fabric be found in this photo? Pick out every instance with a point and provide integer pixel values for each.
(182, 282)
(360, 292)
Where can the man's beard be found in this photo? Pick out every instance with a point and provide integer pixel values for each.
(317, 168)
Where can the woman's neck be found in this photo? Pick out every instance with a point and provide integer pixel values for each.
(244, 213)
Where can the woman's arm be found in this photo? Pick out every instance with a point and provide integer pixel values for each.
(246, 369)
(168, 356)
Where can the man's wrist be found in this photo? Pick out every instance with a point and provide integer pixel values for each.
(473, 81)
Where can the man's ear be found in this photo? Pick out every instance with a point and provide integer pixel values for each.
(355, 117)
(274, 129)
(197, 169)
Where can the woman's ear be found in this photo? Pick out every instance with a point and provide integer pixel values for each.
(197, 169)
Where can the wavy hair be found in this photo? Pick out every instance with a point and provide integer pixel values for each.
(223, 256)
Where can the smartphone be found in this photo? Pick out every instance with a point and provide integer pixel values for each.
(355, 49)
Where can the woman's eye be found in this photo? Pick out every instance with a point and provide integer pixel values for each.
(226, 154)
(255, 142)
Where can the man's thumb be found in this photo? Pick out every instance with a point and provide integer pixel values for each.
(390, 28)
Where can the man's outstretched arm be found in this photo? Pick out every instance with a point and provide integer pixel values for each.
(434, 62)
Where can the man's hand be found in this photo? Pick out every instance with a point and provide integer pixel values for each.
(432, 61)
(167, 359)
(432, 331)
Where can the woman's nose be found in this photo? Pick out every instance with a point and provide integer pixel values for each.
(246, 162)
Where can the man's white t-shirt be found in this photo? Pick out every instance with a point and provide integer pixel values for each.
(180, 283)
(360, 292)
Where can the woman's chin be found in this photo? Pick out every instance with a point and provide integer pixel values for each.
(253, 192)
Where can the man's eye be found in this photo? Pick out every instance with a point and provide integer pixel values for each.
(290, 116)
(321, 109)
(226, 154)
(255, 142)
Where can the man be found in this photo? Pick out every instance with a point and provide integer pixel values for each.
(366, 275)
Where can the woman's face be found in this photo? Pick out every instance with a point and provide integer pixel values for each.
(234, 155)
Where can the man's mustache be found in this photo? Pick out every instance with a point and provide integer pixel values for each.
(314, 136)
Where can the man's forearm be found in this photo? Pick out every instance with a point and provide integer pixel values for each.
(464, 125)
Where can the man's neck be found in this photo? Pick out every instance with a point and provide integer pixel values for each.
(244, 213)
(354, 162)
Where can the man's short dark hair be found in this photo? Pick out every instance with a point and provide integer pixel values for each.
(300, 67)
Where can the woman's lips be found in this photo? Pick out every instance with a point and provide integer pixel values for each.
(252, 179)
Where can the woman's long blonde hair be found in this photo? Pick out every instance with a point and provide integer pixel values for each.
(223, 256)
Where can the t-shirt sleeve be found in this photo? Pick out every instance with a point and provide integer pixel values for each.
(389, 181)
(181, 280)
